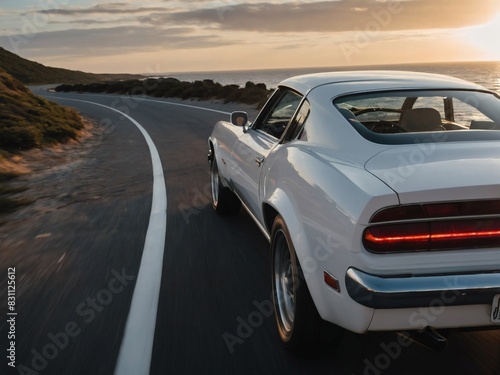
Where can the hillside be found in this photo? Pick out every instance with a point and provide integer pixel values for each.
(33, 73)
(28, 121)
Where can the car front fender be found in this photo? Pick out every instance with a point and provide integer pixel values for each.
(220, 144)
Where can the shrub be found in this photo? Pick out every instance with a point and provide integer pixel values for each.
(28, 121)
(171, 87)
(19, 137)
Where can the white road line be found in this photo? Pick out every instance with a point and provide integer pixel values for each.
(130, 97)
(136, 348)
(137, 344)
(180, 105)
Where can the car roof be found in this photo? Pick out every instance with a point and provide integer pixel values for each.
(379, 79)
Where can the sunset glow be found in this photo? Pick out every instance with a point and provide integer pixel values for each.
(154, 36)
(486, 38)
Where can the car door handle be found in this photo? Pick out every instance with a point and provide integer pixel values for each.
(259, 160)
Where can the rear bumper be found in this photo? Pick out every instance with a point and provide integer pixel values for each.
(421, 291)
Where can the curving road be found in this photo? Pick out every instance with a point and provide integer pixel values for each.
(77, 266)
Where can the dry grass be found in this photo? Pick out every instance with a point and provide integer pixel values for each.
(28, 121)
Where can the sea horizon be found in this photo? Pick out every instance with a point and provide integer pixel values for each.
(485, 73)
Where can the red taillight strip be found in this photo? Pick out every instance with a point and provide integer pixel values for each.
(466, 234)
(433, 235)
(370, 237)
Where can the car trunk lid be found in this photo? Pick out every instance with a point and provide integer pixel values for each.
(440, 171)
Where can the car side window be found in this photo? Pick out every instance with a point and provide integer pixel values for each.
(469, 116)
(280, 115)
(298, 122)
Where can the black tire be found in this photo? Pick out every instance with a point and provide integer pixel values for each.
(224, 201)
(300, 326)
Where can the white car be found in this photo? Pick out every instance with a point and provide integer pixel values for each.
(379, 193)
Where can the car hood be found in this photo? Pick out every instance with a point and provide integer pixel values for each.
(440, 171)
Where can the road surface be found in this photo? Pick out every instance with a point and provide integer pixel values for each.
(77, 264)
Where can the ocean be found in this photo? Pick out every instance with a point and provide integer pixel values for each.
(486, 74)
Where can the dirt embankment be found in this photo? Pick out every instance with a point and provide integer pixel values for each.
(32, 182)
(51, 132)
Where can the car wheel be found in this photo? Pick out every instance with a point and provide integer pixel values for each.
(224, 201)
(299, 323)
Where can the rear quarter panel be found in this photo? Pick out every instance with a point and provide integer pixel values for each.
(323, 201)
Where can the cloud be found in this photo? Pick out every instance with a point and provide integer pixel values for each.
(342, 15)
(119, 26)
(109, 41)
(111, 8)
(291, 16)
(126, 29)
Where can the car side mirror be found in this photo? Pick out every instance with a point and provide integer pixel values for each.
(239, 118)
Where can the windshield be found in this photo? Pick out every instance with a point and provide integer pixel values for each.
(418, 115)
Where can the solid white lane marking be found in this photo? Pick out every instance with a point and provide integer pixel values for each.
(181, 105)
(130, 97)
(137, 343)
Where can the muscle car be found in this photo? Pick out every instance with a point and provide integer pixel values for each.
(379, 193)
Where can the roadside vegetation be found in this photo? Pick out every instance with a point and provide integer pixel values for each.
(28, 121)
(252, 94)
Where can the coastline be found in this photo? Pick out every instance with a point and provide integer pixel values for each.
(205, 90)
(481, 72)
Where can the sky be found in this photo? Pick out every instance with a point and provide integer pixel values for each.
(127, 36)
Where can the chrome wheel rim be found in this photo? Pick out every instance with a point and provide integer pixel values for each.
(284, 281)
(214, 182)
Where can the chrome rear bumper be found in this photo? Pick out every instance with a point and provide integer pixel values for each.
(421, 291)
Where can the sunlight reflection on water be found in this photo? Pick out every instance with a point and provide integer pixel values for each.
(496, 86)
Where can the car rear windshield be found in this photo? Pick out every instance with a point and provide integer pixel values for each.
(398, 117)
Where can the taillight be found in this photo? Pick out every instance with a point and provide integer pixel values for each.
(434, 227)
(397, 238)
(437, 210)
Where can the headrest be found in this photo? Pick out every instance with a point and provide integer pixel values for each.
(421, 120)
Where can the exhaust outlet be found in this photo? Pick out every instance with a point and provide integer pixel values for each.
(427, 337)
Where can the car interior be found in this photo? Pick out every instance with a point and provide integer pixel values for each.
(414, 114)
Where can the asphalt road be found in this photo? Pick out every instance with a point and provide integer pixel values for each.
(77, 265)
